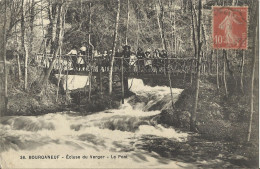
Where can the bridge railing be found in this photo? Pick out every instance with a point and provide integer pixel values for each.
(131, 65)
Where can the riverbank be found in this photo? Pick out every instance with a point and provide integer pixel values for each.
(31, 102)
(22, 103)
(222, 122)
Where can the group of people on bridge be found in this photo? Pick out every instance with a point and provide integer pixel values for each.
(139, 61)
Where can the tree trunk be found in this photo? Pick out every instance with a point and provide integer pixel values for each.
(194, 39)
(242, 72)
(217, 70)
(32, 11)
(162, 23)
(59, 77)
(230, 71)
(160, 17)
(255, 55)
(56, 44)
(52, 12)
(26, 67)
(43, 36)
(161, 28)
(42, 27)
(81, 15)
(159, 24)
(67, 75)
(114, 49)
(18, 58)
(4, 104)
(210, 62)
(24, 48)
(193, 29)
(22, 26)
(172, 23)
(175, 34)
(100, 77)
(224, 72)
(91, 55)
(196, 96)
(138, 30)
(122, 80)
(60, 64)
(18, 67)
(127, 23)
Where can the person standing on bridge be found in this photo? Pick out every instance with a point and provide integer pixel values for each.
(80, 62)
(83, 49)
(126, 54)
(140, 56)
(148, 61)
(157, 60)
(165, 63)
(83, 52)
(105, 61)
(73, 53)
(117, 62)
(132, 62)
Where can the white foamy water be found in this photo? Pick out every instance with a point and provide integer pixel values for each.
(74, 81)
(107, 134)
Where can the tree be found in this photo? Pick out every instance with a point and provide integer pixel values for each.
(198, 56)
(255, 55)
(4, 103)
(31, 35)
(160, 18)
(224, 71)
(242, 72)
(56, 43)
(59, 60)
(193, 27)
(114, 49)
(91, 53)
(127, 23)
(24, 46)
(217, 70)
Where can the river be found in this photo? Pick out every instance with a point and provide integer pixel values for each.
(111, 138)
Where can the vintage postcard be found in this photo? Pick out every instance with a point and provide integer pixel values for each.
(129, 84)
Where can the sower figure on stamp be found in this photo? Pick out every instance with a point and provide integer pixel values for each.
(230, 27)
(226, 25)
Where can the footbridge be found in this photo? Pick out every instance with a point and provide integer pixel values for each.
(147, 67)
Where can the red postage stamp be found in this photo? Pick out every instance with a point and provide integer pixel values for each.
(230, 27)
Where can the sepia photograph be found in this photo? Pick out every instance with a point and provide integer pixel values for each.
(129, 84)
